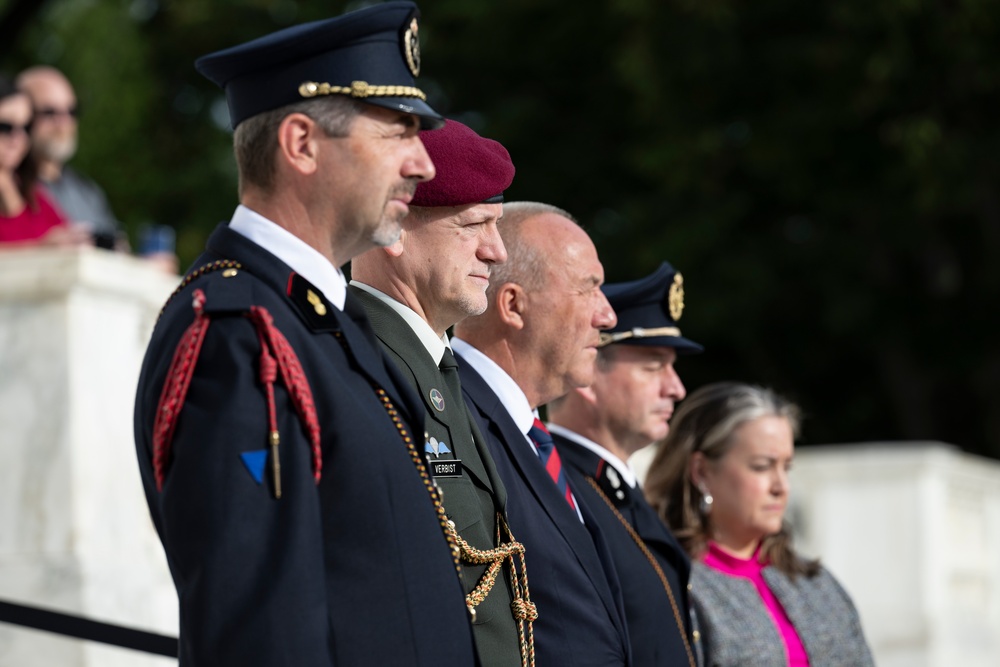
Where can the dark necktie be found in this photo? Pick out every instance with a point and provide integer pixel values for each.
(449, 373)
(550, 459)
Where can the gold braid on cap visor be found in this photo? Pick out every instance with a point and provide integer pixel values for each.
(637, 332)
(360, 89)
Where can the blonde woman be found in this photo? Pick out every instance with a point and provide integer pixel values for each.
(720, 481)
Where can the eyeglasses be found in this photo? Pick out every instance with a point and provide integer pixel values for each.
(51, 112)
(8, 129)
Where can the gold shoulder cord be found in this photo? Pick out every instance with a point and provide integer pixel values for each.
(523, 608)
(652, 561)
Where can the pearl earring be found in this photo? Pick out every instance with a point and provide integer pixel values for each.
(706, 501)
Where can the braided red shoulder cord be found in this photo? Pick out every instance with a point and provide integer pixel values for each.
(276, 355)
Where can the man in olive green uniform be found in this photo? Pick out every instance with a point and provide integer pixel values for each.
(435, 275)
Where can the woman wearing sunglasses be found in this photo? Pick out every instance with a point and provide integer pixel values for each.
(26, 215)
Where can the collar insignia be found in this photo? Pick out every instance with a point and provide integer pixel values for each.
(317, 303)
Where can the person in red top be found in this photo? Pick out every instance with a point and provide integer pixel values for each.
(27, 217)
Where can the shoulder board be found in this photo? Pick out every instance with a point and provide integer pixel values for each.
(231, 291)
(227, 270)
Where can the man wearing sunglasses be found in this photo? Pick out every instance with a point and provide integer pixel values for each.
(54, 142)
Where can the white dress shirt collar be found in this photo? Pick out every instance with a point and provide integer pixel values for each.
(622, 467)
(293, 251)
(434, 344)
(502, 384)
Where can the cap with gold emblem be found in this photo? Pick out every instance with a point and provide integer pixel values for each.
(372, 55)
(648, 310)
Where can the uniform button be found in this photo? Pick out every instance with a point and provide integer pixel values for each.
(689, 585)
(696, 636)
(229, 273)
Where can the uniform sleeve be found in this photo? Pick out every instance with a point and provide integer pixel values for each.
(249, 568)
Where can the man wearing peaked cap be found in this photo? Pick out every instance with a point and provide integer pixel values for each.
(280, 450)
(597, 428)
(371, 55)
(414, 290)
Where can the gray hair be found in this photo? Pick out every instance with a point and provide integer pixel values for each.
(525, 265)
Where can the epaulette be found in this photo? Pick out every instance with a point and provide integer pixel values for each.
(233, 295)
(229, 268)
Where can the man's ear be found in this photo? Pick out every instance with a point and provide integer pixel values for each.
(298, 143)
(511, 302)
(587, 393)
(396, 249)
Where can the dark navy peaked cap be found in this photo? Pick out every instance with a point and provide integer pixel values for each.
(372, 55)
(648, 310)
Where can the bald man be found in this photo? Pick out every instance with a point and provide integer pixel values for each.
(537, 340)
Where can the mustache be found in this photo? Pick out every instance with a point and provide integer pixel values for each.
(406, 188)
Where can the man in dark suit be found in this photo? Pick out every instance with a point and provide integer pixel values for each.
(597, 428)
(414, 290)
(537, 339)
(277, 444)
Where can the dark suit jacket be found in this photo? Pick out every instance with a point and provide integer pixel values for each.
(580, 618)
(652, 624)
(352, 571)
(472, 500)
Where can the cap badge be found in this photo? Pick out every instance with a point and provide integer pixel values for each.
(676, 297)
(411, 47)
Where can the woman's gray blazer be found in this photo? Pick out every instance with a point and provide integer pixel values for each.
(737, 629)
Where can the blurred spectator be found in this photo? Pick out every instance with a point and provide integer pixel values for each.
(81, 200)
(720, 481)
(53, 144)
(26, 215)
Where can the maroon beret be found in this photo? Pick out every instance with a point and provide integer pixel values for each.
(470, 168)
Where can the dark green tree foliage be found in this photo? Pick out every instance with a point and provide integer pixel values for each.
(824, 174)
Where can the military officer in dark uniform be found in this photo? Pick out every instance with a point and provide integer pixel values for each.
(280, 450)
(413, 291)
(597, 428)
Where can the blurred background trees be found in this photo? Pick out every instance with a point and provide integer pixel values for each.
(824, 174)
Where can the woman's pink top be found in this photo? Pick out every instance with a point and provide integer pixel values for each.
(31, 223)
(752, 569)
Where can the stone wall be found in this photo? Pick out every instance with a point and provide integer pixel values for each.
(75, 533)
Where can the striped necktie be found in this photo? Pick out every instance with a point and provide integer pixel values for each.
(550, 458)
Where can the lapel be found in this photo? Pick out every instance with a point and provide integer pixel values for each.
(317, 313)
(425, 376)
(539, 484)
(630, 502)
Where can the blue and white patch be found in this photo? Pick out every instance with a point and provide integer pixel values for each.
(436, 447)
